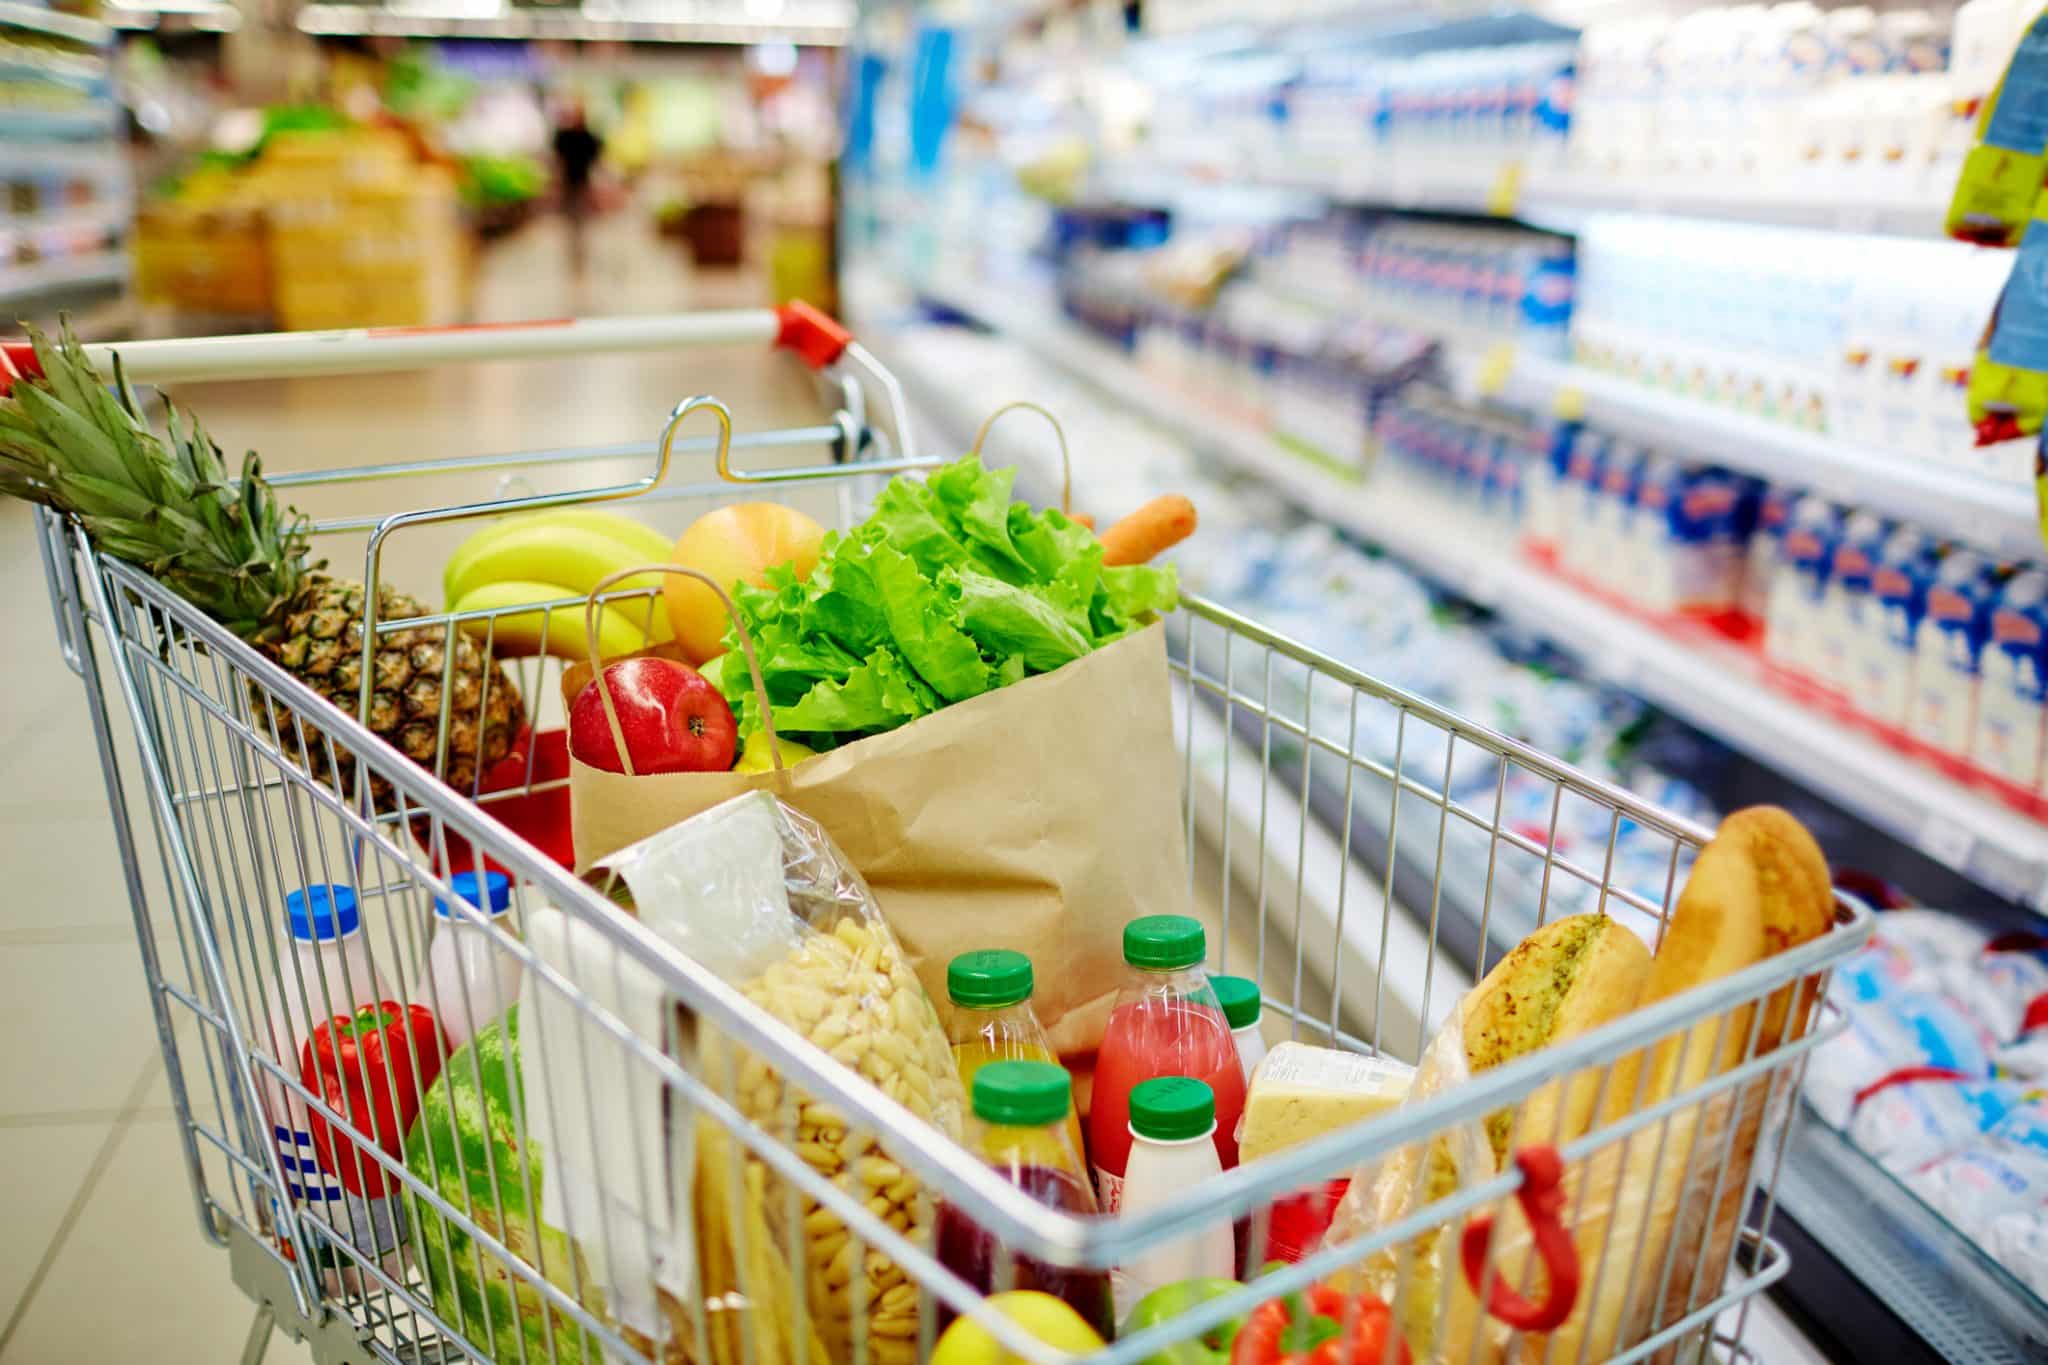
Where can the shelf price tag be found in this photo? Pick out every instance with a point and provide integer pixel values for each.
(1568, 404)
(1494, 369)
(1505, 195)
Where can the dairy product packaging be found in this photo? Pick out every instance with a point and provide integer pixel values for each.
(1949, 658)
(1905, 1126)
(1888, 1035)
(2012, 708)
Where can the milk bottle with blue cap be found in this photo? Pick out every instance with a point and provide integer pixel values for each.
(328, 972)
(470, 980)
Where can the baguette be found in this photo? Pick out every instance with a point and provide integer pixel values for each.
(1759, 888)
(1570, 976)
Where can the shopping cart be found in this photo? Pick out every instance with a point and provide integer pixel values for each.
(218, 814)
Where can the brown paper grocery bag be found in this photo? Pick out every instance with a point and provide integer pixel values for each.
(1041, 816)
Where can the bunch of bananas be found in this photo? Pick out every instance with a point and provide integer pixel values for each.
(543, 560)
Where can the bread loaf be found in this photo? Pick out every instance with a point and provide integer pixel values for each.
(1663, 1197)
(1566, 978)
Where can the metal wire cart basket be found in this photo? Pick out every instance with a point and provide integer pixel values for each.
(228, 781)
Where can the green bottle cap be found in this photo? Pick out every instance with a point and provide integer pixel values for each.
(1022, 1094)
(1165, 943)
(1239, 996)
(989, 978)
(1172, 1108)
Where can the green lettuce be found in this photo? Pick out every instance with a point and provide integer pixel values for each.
(948, 590)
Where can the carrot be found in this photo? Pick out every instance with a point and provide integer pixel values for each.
(1153, 529)
(1083, 519)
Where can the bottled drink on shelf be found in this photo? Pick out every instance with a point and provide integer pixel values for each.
(1950, 654)
(2012, 723)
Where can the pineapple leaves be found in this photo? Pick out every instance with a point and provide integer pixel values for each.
(71, 442)
(87, 444)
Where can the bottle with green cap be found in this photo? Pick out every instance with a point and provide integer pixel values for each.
(992, 1019)
(1239, 996)
(1166, 1022)
(1019, 1126)
(1173, 1126)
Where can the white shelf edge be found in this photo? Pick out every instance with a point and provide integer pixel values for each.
(1718, 690)
(70, 26)
(27, 282)
(1562, 202)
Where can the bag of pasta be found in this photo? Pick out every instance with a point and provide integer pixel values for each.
(756, 891)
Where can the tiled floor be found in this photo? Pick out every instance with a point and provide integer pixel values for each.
(103, 1258)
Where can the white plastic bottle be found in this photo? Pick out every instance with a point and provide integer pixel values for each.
(329, 972)
(1173, 1119)
(1239, 996)
(469, 981)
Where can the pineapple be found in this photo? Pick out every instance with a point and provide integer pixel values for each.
(166, 505)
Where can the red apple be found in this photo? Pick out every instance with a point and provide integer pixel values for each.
(673, 719)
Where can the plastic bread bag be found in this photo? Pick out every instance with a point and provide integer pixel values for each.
(1418, 1277)
(757, 892)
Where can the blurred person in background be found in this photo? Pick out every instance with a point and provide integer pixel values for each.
(577, 152)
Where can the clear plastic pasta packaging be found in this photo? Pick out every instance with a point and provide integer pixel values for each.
(758, 892)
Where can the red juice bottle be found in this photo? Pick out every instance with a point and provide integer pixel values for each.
(1166, 1022)
(1019, 1126)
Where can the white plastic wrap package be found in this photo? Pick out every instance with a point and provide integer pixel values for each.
(618, 1176)
(1434, 1307)
(757, 892)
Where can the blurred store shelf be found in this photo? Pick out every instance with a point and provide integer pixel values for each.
(1555, 201)
(22, 286)
(1720, 689)
(1994, 515)
(72, 26)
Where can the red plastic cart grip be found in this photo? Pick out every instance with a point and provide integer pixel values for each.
(816, 337)
(1542, 1200)
(17, 359)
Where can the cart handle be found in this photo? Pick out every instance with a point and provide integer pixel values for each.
(1542, 1198)
(815, 338)
(732, 611)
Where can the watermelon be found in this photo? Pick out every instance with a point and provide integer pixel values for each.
(465, 1145)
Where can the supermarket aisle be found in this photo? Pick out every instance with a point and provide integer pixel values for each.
(104, 1259)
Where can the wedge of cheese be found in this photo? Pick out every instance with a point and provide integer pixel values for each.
(1301, 1092)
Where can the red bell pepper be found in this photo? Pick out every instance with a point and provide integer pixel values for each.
(371, 1068)
(1322, 1327)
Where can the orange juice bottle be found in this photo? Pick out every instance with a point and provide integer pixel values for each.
(993, 1020)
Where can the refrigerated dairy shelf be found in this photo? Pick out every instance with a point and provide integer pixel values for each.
(1721, 690)
(1995, 516)
(1553, 201)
